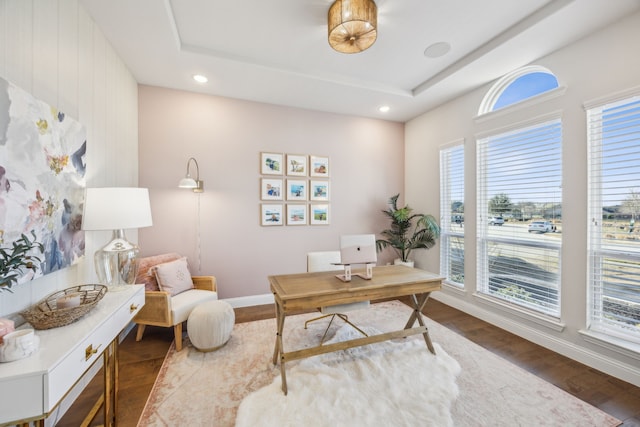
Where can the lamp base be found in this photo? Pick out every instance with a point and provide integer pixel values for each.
(117, 262)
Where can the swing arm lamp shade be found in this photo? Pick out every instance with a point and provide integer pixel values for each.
(196, 185)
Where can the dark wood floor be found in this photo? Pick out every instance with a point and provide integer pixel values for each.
(140, 363)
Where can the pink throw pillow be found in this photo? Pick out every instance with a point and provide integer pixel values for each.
(146, 276)
(174, 277)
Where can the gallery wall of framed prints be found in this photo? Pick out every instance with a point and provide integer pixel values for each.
(294, 189)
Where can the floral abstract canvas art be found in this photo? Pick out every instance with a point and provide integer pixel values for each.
(42, 178)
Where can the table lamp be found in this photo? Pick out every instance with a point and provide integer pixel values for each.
(117, 209)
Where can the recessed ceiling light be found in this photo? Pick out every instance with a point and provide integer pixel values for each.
(437, 50)
(384, 109)
(200, 78)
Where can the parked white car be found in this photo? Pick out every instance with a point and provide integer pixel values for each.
(496, 220)
(540, 227)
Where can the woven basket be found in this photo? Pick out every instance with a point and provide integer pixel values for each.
(46, 315)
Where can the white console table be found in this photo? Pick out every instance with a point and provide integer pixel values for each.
(34, 386)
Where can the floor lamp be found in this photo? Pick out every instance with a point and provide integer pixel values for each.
(116, 209)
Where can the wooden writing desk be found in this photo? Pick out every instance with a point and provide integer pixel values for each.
(294, 292)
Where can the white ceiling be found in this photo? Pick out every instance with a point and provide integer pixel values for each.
(276, 51)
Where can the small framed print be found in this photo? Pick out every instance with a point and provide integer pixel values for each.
(271, 214)
(271, 189)
(297, 189)
(319, 214)
(296, 214)
(319, 190)
(319, 166)
(271, 163)
(296, 165)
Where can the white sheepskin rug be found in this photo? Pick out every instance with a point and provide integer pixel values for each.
(393, 383)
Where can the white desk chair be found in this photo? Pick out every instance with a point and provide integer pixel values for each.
(325, 261)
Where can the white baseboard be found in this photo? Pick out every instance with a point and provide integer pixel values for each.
(250, 300)
(623, 371)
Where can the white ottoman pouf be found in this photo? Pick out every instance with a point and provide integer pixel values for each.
(210, 324)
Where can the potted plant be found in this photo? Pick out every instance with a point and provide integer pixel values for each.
(14, 260)
(408, 231)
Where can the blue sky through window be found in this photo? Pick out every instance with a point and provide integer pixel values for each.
(525, 87)
(621, 141)
(526, 164)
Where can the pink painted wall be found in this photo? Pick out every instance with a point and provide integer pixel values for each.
(226, 137)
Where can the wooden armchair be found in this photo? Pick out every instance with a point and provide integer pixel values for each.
(163, 309)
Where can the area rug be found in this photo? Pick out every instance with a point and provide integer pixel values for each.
(207, 389)
(409, 385)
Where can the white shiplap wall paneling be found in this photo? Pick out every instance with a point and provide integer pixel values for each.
(45, 51)
(53, 50)
(18, 42)
(68, 59)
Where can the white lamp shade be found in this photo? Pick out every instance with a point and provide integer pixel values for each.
(188, 183)
(116, 208)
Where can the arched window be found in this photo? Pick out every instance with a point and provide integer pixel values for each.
(519, 196)
(517, 86)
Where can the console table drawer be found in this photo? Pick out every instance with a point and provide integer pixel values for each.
(127, 312)
(62, 377)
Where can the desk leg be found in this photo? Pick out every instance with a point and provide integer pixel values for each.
(279, 325)
(418, 305)
(278, 351)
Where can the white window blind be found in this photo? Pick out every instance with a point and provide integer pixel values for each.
(519, 181)
(614, 204)
(452, 213)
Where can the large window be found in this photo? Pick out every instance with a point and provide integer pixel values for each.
(452, 213)
(519, 217)
(614, 203)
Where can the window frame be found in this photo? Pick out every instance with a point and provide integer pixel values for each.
(491, 98)
(598, 251)
(447, 233)
(484, 240)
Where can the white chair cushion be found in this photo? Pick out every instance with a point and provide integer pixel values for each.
(184, 302)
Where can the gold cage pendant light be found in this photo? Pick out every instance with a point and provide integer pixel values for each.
(353, 25)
